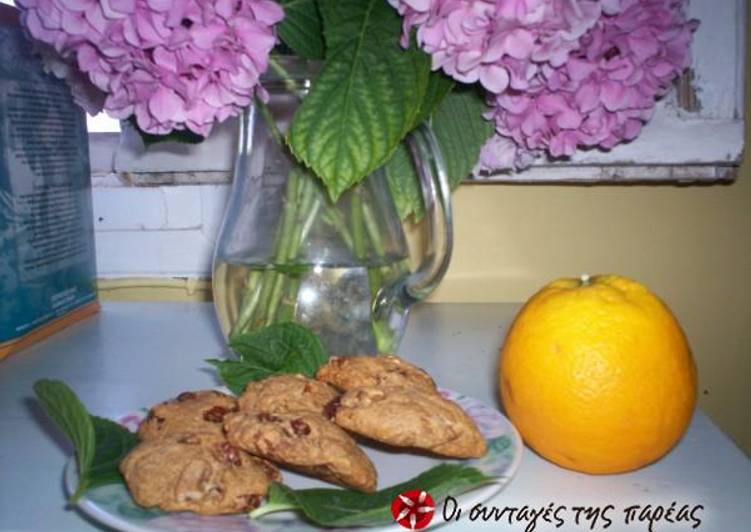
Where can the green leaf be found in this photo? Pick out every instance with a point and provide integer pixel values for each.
(235, 374)
(366, 97)
(348, 508)
(404, 184)
(302, 28)
(113, 442)
(439, 86)
(461, 131)
(274, 350)
(99, 443)
(71, 417)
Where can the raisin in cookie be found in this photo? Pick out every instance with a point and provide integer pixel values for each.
(348, 373)
(201, 411)
(409, 417)
(304, 441)
(287, 393)
(201, 473)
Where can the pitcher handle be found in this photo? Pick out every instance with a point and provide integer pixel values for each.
(436, 194)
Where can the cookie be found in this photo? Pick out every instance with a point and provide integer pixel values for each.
(348, 373)
(201, 411)
(409, 417)
(201, 473)
(304, 441)
(287, 393)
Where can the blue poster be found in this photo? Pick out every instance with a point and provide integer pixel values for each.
(47, 260)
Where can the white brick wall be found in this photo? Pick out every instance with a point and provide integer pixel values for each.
(156, 231)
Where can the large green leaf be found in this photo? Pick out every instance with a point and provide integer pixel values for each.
(439, 86)
(366, 97)
(461, 131)
(400, 171)
(404, 184)
(301, 28)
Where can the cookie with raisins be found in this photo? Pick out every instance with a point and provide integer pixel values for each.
(200, 411)
(196, 472)
(306, 442)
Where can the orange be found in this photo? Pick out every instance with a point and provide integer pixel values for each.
(597, 375)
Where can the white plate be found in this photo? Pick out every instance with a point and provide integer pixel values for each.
(112, 505)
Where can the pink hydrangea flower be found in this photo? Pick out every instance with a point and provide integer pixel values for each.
(173, 64)
(500, 44)
(607, 89)
(502, 153)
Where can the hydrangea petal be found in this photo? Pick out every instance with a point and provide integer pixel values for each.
(494, 78)
(166, 105)
(78, 6)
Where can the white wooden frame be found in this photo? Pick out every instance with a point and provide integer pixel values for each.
(704, 144)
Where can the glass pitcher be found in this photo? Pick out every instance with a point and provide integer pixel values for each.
(286, 252)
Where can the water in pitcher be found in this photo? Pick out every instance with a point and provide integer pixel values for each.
(335, 301)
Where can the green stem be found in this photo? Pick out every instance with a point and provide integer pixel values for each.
(312, 206)
(249, 303)
(270, 122)
(275, 299)
(360, 232)
(268, 285)
(272, 507)
(358, 226)
(284, 237)
(254, 292)
(335, 219)
(297, 186)
(83, 486)
(289, 82)
(289, 300)
(303, 221)
(382, 333)
(373, 232)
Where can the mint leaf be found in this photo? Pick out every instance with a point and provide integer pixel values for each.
(366, 97)
(301, 28)
(236, 374)
(99, 443)
(71, 417)
(282, 347)
(277, 349)
(348, 508)
(461, 131)
(113, 442)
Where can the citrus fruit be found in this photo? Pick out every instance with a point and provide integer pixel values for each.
(597, 374)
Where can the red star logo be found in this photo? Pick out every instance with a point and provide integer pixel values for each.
(413, 509)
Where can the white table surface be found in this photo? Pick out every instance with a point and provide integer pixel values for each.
(134, 354)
